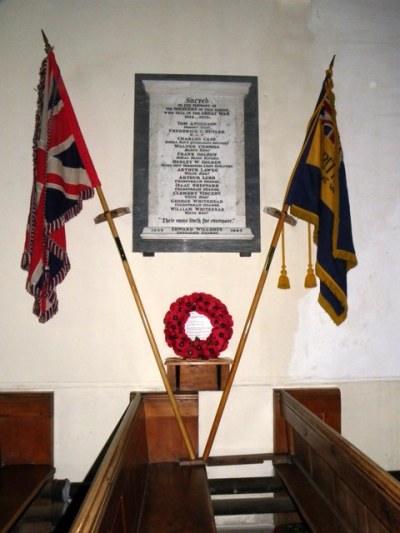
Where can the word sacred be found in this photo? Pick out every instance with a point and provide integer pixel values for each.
(196, 100)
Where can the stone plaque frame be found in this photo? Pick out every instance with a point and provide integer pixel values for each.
(196, 164)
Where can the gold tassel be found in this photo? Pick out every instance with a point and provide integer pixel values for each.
(310, 280)
(283, 282)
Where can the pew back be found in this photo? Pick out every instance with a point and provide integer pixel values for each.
(164, 440)
(26, 428)
(26, 451)
(334, 485)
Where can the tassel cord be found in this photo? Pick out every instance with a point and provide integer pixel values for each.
(310, 279)
(283, 282)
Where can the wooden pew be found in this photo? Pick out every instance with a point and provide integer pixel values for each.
(266, 495)
(141, 485)
(26, 451)
(334, 486)
(141, 466)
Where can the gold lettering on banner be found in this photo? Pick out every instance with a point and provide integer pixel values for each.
(322, 156)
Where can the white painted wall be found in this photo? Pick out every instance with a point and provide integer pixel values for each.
(95, 350)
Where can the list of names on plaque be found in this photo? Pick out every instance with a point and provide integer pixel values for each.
(200, 150)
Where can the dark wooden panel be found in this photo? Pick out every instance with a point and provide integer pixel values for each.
(349, 505)
(177, 500)
(374, 525)
(19, 484)
(249, 506)
(114, 519)
(317, 513)
(164, 439)
(224, 460)
(26, 427)
(302, 453)
(323, 475)
(245, 485)
(134, 494)
(325, 403)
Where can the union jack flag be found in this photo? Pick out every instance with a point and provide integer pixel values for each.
(63, 176)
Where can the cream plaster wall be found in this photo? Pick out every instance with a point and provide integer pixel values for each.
(95, 350)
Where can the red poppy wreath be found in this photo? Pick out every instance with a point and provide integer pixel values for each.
(207, 345)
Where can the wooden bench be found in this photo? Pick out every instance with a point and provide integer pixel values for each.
(26, 451)
(334, 486)
(265, 495)
(140, 484)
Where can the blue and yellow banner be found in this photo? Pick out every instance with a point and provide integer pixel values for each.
(317, 193)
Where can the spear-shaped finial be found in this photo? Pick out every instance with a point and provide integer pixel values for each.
(329, 70)
(47, 45)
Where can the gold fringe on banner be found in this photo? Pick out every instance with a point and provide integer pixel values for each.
(283, 282)
(310, 279)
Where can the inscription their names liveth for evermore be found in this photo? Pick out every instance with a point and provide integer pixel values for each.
(196, 164)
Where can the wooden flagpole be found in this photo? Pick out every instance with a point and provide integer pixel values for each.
(109, 217)
(264, 274)
(246, 329)
(145, 322)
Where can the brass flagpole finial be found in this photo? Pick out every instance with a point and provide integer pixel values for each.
(47, 45)
(329, 70)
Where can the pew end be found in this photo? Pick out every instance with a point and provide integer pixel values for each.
(334, 486)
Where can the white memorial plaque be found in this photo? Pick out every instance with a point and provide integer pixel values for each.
(196, 160)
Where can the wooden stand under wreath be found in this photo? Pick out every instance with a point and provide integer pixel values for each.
(197, 374)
